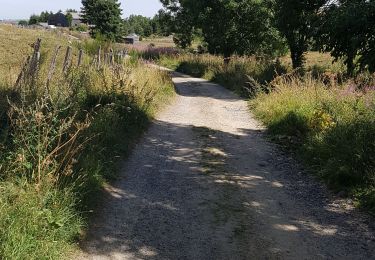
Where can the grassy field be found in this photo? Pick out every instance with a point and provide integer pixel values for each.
(323, 117)
(15, 47)
(58, 145)
(158, 42)
(317, 62)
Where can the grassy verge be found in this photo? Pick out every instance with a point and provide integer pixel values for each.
(58, 145)
(330, 128)
(234, 76)
(246, 76)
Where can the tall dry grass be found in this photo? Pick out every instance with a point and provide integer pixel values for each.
(330, 128)
(15, 46)
(242, 73)
(239, 75)
(59, 142)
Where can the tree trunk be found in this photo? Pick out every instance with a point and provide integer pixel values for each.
(226, 61)
(227, 58)
(297, 58)
(350, 65)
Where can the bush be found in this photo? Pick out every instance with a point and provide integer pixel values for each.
(81, 28)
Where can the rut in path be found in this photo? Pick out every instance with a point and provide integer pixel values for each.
(204, 184)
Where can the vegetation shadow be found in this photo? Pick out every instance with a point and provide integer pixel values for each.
(181, 189)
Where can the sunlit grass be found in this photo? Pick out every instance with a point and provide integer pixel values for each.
(330, 128)
(59, 144)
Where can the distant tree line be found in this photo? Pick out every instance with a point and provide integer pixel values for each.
(43, 17)
(345, 28)
(145, 26)
(105, 15)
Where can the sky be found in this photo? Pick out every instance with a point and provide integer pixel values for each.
(22, 9)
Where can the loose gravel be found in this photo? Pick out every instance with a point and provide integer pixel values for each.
(204, 183)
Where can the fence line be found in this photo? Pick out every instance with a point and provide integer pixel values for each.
(30, 69)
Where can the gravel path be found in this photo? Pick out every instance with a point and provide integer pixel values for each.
(205, 184)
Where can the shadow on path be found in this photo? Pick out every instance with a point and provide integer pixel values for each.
(199, 188)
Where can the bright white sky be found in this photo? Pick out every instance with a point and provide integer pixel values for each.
(22, 9)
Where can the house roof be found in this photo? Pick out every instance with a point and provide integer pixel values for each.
(132, 35)
(76, 16)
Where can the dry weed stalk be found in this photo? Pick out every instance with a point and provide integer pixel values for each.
(46, 143)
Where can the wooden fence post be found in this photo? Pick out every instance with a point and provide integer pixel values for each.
(111, 57)
(67, 59)
(99, 56)
(80, 57)
(52, 68)
(34, 64)
(105, 60)
(29, 70)
(23, 73)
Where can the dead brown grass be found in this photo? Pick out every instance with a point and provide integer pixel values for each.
(15, 46)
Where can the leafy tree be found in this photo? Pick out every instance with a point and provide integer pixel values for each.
(346, 29)
(105, 15)
(34, 19)
(183, 28)
(164, 23)
(23, 23)
(295, 20)
(161, 24)
(367, 57)
(138, 24)
(227, 26)
(44, 16)
(69, 17)
(144, 26)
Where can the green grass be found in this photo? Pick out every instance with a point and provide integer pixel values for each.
(233, 76)
(57, 150)
(36, 224)
(158, 41)
(330, 129)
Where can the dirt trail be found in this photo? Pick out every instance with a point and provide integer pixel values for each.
(204, 184)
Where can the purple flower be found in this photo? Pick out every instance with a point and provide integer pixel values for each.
(349, 91)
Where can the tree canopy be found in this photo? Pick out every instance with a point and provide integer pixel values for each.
(227, 26)
(346, 29)
(138, 24)
(145, 26)
(295, 20)
(23, 23)
(41, 18)
(105, 16)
